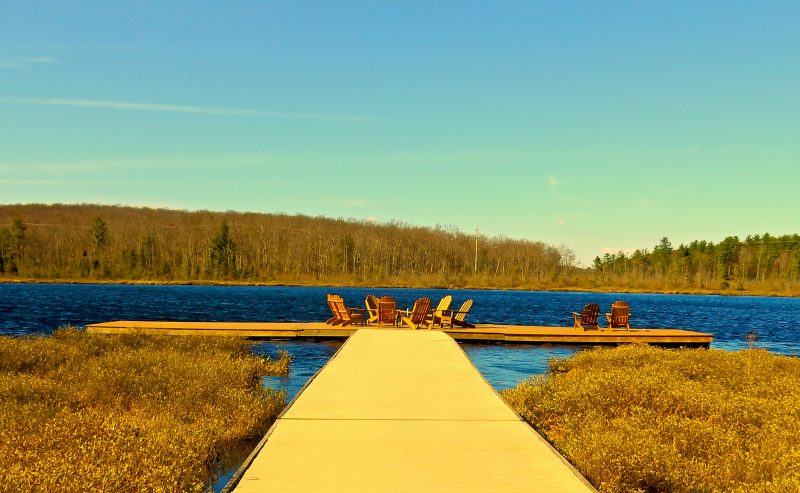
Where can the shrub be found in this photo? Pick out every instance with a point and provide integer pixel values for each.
(86, 412)
(643, 419)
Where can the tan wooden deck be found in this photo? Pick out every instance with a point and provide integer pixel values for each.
(519, 334)
(403, 411)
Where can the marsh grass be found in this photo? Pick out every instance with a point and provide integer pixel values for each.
(87, 412)
(643, 419)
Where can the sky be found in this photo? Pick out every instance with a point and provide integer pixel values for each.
(603, 126)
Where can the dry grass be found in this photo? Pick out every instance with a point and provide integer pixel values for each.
(84, 412)
(642, 419)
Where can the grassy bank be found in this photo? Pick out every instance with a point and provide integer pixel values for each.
(642, 419)
(83, 412)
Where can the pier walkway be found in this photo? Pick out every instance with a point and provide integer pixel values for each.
(402, 411)
(492, 333)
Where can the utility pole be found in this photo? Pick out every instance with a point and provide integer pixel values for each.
(477, 232)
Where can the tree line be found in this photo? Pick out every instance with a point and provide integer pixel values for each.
(93, 242)
(757, 263)
(116, 243)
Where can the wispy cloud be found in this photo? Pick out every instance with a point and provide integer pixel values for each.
(177, 108)
(46, 60)
(68, 181)
(117, 163)
(25, 62)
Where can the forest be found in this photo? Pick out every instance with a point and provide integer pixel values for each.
(100, 243)
(762, 263)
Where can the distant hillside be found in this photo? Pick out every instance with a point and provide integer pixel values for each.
(114, 243)
(94, 242)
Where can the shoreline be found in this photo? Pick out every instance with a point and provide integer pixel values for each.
(697, 292)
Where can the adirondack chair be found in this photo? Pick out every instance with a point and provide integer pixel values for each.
(436, 314)
(419, 314)
(620, 315)
(372, 308)
(342, 315)
(587, 319)
(456, 317)
(334, 310)
(387, 311)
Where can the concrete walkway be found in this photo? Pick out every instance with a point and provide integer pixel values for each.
(404, 411)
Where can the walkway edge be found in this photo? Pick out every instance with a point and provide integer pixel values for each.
(239, 474)
(538, 435)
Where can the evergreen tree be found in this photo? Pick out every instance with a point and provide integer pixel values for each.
(100, 238)
(223, 253)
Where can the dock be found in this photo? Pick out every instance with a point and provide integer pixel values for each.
(483, 333)
(402, 411)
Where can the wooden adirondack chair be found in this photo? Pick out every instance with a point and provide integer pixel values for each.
(620, 315)
(387, 311)
(456, 317)
(342, 315)
(436, 314)
(587, 319)
(334, 320)
(419, 314)
(372, 308)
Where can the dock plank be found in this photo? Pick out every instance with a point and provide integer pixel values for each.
(517, 334)
(404, 411)
(433, 362)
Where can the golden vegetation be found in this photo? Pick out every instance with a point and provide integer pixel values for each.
(642, 419)
(84, 412)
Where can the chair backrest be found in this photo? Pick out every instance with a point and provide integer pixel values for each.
(444, 304)
(387, 310)
(332, 305)
(339, 307)
(372, 305)
(590, 313)
(620, 314)
(420, 311)
(464, 310)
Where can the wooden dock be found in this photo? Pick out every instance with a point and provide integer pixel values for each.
(488, 333)
(402, 411)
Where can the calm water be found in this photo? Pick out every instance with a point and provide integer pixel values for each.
(40, 308)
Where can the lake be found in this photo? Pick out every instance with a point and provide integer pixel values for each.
(28, 309)
(40, 308)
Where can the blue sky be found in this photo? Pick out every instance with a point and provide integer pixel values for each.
(599, 125)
